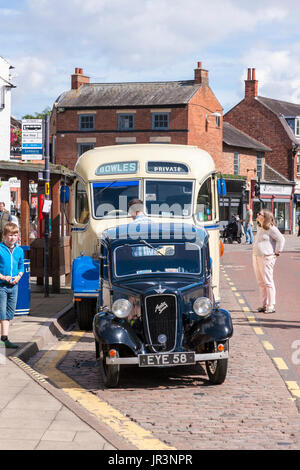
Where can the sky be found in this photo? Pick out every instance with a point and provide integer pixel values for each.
(150, 40)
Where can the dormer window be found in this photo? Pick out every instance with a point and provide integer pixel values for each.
(297, 126)
(294, 123)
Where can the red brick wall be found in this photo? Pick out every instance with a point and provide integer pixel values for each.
(257, 121)
(248, 159)
(203, 134)
(107, 120)
(189, 121)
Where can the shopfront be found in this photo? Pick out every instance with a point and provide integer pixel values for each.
(235, 200)
(278, 198)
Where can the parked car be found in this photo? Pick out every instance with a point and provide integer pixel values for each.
(156, 306)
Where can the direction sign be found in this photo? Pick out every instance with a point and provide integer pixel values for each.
(32, 139)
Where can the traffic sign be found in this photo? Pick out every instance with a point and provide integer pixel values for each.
(32, 139)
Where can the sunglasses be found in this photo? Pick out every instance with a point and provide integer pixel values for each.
(261, 214)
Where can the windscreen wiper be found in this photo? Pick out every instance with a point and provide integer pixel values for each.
(152, 247)
(106, 187)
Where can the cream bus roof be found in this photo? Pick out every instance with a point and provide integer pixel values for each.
(198, 161)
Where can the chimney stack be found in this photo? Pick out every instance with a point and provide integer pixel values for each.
(78, 79)
(251, 85)
(201, 75)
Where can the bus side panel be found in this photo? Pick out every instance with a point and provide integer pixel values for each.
(85, 276)
(214, 246)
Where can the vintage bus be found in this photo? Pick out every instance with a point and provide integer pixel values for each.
(177, 183)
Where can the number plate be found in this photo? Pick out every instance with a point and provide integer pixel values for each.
(166, 359)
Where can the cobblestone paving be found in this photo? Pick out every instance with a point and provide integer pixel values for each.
(251, 410)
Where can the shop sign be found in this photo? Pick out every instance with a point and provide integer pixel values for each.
(275, 189)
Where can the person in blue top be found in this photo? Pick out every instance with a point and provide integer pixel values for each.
(11, 271)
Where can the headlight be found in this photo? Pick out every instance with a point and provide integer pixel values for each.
(202, 306)
(121, 308)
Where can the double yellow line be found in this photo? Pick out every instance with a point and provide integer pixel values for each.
(281, 365)
(123, 426)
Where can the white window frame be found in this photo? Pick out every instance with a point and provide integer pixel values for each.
(236, 163)
(297, 126)
(2, 97)
(298, 164)
(259, 165)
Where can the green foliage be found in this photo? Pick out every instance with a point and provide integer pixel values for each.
(41, 115)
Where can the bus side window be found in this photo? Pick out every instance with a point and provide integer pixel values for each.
(204, 202)
(82, 213)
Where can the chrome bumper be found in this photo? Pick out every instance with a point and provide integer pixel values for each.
(198, 358)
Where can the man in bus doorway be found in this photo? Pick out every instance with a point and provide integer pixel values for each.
(136, 210)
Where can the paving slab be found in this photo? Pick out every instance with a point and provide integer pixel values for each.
(31, 417)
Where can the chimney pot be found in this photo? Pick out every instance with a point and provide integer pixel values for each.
(200, 75)
(251, 85)
(78, 79)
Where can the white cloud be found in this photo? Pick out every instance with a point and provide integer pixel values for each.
(37, 84)
(147, 33)
(131, 40)
(277, 72)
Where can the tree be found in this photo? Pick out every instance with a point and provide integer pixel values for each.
(41, 115)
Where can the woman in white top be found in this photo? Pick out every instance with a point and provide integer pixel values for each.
(268, 244)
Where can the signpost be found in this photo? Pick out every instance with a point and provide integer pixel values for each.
(32, 139)
(46, 207)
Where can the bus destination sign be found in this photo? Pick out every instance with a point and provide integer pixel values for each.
(167, 167)
(118, 168)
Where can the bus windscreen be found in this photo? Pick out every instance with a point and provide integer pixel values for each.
(111, 198)
(168, 198)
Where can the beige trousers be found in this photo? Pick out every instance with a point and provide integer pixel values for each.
(263, 268)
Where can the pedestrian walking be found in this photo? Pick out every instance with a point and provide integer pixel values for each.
(249, 225)
(268, 245)
(299, 225)
(11, 271)
(5, 217)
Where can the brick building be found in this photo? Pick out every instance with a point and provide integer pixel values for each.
(276, 124)
(99, 114)
(243, 162)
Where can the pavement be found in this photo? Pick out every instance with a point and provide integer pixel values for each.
(31, 416)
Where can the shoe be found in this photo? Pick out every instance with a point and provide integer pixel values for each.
(10, 345)
(262, 309)
(270, 310)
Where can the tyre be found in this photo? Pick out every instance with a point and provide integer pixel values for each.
(109, 373)
(217, 370)
(86, 310)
